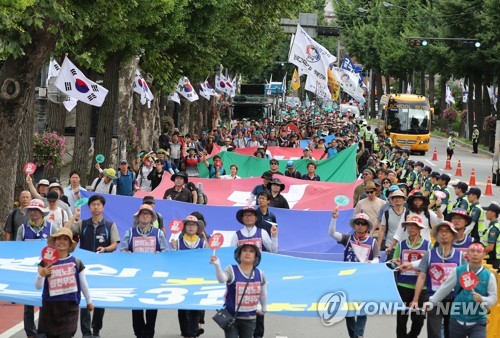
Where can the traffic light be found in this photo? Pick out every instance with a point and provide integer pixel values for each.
(418, 42)
(470, 43)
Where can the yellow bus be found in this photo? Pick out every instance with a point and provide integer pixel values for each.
(408, 121)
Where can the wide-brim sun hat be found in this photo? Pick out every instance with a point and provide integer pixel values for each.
(62, 232)
(38, 205)
(450, 225)
(179, 174)
(146, 208)
(364, 217)
(239, 214)
(110, 173)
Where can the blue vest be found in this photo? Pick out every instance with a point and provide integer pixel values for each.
(182, 245)
(42, 234)
(410, 255)
(92, 238)
(367, 244)
(64, 276)
(251, 298)
(464, 244)
(464, 299)
(255, 239)
(147, 243)
(439, 269)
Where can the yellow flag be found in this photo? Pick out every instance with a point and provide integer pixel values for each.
(333, 85)
(295, 80)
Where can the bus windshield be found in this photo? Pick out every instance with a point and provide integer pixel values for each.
(408, 117)
(250, 112)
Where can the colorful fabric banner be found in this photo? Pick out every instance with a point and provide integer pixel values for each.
(302, 233)
(300, 194)
(162, 281)
(295, 80)
(340, 168)
(282, 153)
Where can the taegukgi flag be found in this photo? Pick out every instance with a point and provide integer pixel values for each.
(54, 70)
(221, 84)
(72, 82)
(204, 91)
(185, 88)
(141, 87)
(311, 57)
(174, 97)
(209, 88)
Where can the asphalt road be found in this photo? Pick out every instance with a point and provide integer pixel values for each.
(118, 323)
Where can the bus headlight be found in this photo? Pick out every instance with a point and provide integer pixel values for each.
(425, 141)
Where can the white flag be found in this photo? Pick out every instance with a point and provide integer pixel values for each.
(233, 86)
(317, 88)
(465, 92)
(221, 83)
(311, 57)
(54, 70)
(349, 82)
(174, 97)
(449, 96)
(141, 87)
(408, 88)
(209, 88)
(204, 91)
(72, 82)
(185, 89)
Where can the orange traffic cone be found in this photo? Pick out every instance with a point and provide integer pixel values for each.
(448, 164)
(459, 169)
(472, 182)
(435, 155)
(489, 190)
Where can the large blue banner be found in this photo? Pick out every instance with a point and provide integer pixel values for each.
(301, 233)
(186, 280)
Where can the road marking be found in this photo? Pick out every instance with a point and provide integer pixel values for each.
(15, 329)
(432, 164)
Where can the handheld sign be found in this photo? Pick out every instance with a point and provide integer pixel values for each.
(215, 241)
(29, 168)
(50, 255)
(81, 201)
(100, 158)
(440, 194)
(341, 200)
(468, 280)
(176, 226)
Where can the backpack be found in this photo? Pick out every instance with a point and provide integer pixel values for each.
(110, 186)
(202, 198)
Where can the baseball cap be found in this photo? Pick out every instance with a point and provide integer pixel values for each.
(290, 164)
(493, 207)
(462, 186)
(435, 174)
(123, 161)
(148, 200)
(475, 191)
(52, 196)
(444, 177)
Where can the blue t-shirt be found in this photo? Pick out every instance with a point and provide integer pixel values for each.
(125, 184)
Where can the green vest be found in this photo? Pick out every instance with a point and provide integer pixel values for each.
(466, 297)
(481, 226)
(458, 201)
(484, 237)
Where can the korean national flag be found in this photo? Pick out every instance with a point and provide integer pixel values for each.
(54, 70)
(72, 82)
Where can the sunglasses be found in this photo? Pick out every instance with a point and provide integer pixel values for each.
(274, 163)
(370, 191)
(387, 182)
(361, 223)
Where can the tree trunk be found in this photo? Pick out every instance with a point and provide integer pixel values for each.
(126, 105)
(373, 96)
(387, 84)
(56, 120)
(17, 86)
(471, 107)
(82, 142)
(431, 90)
(105, 124)
(478, 91)
(380, 88)
(26, 132)
(422, 83)
(442, 102)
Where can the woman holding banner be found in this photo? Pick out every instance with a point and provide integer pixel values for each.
(245, 288)
(63, 280)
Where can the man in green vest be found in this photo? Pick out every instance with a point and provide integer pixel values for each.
(470, 306)
(490, 237)
(461, 193)
(477, 227)
(475, 139)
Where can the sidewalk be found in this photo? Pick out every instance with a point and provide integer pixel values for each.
(466, 145)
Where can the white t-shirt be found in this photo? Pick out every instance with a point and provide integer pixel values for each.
(103, 188)
(229, 177)
(57, 217)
